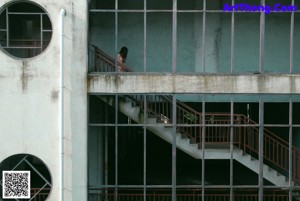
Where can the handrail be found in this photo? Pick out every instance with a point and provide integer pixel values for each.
(97, 53)
(218, 125)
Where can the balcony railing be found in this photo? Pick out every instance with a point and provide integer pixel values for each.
(122, 194)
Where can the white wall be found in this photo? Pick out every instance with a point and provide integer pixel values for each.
(29, 102)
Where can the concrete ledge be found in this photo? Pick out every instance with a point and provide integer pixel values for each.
(193, 83)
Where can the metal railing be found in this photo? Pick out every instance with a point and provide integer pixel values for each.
(186, 195)
(24, 48)
(99, 61)
(218, 126)
(39, 194)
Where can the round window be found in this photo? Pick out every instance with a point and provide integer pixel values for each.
(25, 29)
(24, 176)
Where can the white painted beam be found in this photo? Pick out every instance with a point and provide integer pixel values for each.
(193, 83)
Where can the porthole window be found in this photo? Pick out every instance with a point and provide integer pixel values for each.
(25, 29)
(26, 177)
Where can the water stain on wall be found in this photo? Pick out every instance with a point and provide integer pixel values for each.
(24, 76)
(54, 95)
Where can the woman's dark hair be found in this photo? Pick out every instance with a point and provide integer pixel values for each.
(123, 52)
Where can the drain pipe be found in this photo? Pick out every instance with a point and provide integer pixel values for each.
(62, 86)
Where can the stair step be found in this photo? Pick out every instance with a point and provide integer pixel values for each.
(127, 103)
(151, 121)
(194, 145)
(187, 141)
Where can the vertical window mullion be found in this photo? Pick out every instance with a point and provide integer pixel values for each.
(203, 147)
(116, 34)
(203, 35)
(7, 28)
(261, 148)
(106, 150)
(116, 146)
(174, 124)
(232, 42)
(145, 143)
(41, 30)
(145, 35)
(116, 105)
(174, 37)
(292, 39)
(262, 40)
(231, 148)
(290, 149)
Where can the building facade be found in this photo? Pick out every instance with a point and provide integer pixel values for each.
(205, 107)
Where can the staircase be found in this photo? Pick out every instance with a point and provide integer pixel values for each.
(216, 131)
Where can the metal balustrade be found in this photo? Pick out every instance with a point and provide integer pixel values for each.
(185, 195)
(39, 194)
(26, 48)
(218, 126)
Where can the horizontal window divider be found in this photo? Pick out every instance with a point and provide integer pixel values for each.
(23, 47)
(188, 186)
(24, 13)
(180, 11)
(182, 125)
(130, 186)
(277, 125)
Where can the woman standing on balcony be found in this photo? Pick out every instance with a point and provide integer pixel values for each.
(122, 58)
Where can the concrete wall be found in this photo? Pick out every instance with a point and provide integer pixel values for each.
(29, 103)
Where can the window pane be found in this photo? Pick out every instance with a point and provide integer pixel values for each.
(101, 109)
(131, 4)
(276, 113)
(3, 39)
(159, 139)
(46, 23)
(3, 20)
(189, 42)
(132, 24)
(102, 35)
(159, 42)
(189, 4)
(277, 42)
(102, 4)
(217, 42)
(246, 52)
(130, 155)
(188, 158)
(296, 56)
(159, 159)
(158, 4)
(101, 148)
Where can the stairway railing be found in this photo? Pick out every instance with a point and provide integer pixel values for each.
(217, 126)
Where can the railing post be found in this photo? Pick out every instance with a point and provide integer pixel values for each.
(240, 130)
(295, 167)
(245, 130)
(94, 59)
